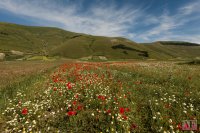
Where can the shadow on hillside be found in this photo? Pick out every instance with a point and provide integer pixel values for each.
(179, 43)
(123, 47)
(193, 62)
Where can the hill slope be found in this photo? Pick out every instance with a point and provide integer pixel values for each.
(57, 42)
(172, 49)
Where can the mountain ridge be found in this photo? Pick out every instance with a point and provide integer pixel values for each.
(52, 41)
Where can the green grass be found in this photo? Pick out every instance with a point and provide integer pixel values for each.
(42, 58)
(173, 50)
(24, 76)
(156, 96)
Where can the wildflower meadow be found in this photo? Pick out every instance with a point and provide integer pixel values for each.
(113, 97)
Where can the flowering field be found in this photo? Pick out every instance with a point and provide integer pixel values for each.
(107, 97)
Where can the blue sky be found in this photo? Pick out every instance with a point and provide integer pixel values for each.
(138, 20)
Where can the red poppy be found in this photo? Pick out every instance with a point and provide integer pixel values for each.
(101, 97)
(69, 86)
(108, 111)
(127, 110)
(133, 126)
(76, 96)
(55, 80)
(179, 126)
(54, 88)
(79, 107)
(74, 103)
(121, 110)
(124, 117)
(24, 111)
(71, 113)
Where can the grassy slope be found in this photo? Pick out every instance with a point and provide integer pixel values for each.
(31, 40)
(173, 50)
(59, 42)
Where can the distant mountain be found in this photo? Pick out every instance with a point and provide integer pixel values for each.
(180, 43)
(31, 41)
(174, 49)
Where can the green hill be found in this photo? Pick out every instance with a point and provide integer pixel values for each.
(49, 41)
(174, 49)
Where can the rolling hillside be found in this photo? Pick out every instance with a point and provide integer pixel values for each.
(172, 49)
(48, 41)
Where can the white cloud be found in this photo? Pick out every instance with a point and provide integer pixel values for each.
(190, 8)
(168, 27)
(101, 19)
(108, 19)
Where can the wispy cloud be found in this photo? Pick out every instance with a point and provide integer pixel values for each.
(174, 26)
(98, 19)
(190, 8)
(110, 19)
